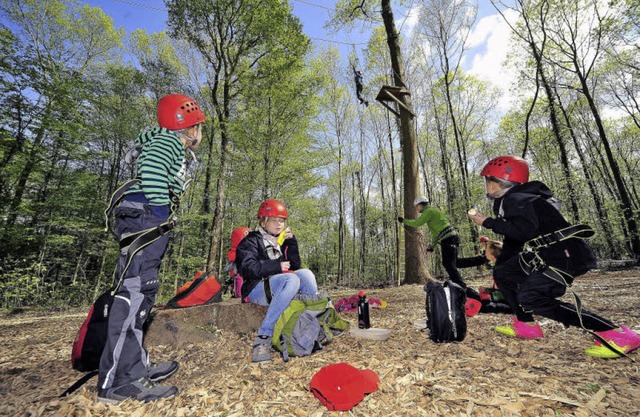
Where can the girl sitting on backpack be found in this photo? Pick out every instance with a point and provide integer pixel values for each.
(270, 267)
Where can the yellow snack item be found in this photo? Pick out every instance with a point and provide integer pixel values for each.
(281, 237)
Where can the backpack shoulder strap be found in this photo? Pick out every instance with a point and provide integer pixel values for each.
(80, 382)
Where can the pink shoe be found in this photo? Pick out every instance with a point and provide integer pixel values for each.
(521, 330)
(622, 339)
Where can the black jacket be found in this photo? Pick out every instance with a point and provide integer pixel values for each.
(524, 213)
(254, 263)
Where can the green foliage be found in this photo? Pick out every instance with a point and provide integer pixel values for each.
(71, 105)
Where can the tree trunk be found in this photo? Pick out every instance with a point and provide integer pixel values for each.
(29, 165)
(555, 127)
(396, 230)
(415, 265)
(602, 214)
(625, 201)
(218, 211)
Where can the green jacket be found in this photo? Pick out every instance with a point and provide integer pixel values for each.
(435, 220)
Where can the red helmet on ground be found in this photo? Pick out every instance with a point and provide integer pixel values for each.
(176, 112)
(272, 208)
(508, 167)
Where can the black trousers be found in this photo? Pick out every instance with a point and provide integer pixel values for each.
(449, 247)
(124, 358)
(537, 294)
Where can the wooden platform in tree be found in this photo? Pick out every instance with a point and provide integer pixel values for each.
(389, 93)
(178, 327)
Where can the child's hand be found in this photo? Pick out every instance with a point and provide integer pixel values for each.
(285, 265)
(288, 234)
(476, 216)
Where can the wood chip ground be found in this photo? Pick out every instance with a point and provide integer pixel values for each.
(486, 375)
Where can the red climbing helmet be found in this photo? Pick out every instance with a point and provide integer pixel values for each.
(508, 167)
(176, 112)
(272, 208)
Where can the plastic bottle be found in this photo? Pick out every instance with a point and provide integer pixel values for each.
(363, 311)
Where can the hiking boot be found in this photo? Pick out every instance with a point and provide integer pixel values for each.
(261, 349)
(622, 340)
(157, 372)
(141, 390)
(521, 330)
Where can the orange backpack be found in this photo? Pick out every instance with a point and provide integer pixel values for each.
(203, 289)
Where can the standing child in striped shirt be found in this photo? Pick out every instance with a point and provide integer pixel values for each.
(125, 370)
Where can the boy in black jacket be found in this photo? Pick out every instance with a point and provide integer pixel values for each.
(524, 211)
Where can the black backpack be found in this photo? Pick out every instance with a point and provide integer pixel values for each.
(446, 319)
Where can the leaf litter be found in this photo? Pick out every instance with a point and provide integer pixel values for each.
(485, 375)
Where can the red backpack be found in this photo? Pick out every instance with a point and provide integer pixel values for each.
(203, 289)
(90, 341)
(92, 336)
(237, 235)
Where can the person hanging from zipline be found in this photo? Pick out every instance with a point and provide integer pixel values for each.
(357, 76)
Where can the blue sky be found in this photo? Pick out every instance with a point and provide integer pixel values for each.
(490, 34)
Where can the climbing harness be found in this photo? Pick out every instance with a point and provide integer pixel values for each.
(531, 262)
(133, 243)
(444, 232)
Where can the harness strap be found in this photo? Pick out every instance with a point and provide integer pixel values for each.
(579, 231)
(142, 240)
(116, 197)
(537, 264)
(558, 275)
(80, 382)
(443, 233)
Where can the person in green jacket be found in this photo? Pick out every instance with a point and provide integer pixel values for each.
(442, 232)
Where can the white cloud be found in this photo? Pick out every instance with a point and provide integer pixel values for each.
(407, 23)
(489, 45)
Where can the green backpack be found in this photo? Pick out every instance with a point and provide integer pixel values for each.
(309, 323)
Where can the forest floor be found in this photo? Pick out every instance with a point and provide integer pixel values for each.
(485, 375)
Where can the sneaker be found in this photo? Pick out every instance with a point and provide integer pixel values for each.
(157, 372)
(141, 390)
(521, 330)
(261, 349)
(623, 340)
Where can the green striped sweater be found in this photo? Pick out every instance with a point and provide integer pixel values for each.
(160, 165)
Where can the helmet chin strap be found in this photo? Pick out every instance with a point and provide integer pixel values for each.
(496, 194)
(190, 140)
